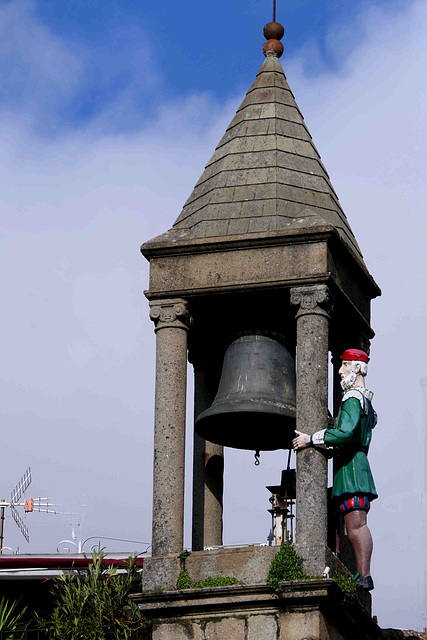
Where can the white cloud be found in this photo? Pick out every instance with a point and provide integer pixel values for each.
(35, 66)
(52, 84)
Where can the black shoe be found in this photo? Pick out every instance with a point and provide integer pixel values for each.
(366, 583)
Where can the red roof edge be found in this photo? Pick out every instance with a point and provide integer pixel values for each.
(61, 562)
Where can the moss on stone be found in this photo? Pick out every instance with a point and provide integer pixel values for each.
(184, 581)
(218, 581)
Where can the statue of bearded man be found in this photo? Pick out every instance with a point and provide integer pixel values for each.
(350, 437)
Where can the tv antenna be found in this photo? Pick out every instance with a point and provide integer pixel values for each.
(31, 504)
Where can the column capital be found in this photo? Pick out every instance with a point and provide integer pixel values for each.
(312, 300)
(170, 314)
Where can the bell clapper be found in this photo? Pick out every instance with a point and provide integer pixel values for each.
(257, 456)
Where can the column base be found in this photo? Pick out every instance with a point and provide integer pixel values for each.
(317, 557)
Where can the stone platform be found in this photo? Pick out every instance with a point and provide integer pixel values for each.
(303, 610)
(313, 609)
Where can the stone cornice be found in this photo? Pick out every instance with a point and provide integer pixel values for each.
(173, 244)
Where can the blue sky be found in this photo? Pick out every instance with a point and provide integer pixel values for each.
(90, 55)
(108, 113)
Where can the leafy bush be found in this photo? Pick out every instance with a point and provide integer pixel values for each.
(184, 581)
(96, 605)
(287, 565)
(11, 619)
(347, 585)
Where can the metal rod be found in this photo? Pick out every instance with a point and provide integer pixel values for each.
(274, 10)
(2, 530)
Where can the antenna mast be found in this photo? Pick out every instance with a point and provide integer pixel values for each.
(31, 504)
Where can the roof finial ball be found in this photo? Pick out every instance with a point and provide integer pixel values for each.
(273, 32)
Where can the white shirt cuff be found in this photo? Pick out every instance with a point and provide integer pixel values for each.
(318, 438)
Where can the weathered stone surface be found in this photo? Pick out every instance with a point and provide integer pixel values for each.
(171, 318)
(250, 565)
(307, 624)
(257, 225)
(305, 610)
(256, 127)
(230, 627)
(261, 627)
(312, 305)
(160, 572)
(299, 147)
(184, 630)
(269, 93)
(239, 226)
(306, 196)
(273, 264)
(301, 625)
(294, 179)
(208, 473)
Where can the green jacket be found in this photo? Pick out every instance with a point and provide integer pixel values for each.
(350, 437)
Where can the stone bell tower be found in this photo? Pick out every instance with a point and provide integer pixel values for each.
(262, 246)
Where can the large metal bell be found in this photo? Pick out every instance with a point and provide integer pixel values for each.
(254, 407)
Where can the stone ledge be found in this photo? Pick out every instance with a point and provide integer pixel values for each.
(176, 242)
(250, 565)
(300, 598)
(299, 593)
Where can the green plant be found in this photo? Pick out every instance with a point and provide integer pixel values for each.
(184, 581)
(287, 565)
(11, 619)
(96, 605)
(347, 585)
(218, 581)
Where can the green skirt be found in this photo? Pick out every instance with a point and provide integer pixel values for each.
(353, 476)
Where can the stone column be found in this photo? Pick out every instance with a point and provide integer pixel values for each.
(208, 475)
(311, 416)
(171, 324)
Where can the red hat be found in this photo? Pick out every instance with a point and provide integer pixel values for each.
(355, 354)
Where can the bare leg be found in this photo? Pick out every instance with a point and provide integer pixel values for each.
(361, 540)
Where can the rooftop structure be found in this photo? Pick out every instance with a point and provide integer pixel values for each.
(261, 260)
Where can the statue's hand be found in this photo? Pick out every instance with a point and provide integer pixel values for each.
(301, 441)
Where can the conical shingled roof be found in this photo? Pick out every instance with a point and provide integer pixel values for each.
(266, 174)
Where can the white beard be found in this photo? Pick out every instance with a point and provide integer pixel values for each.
(348, 381)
